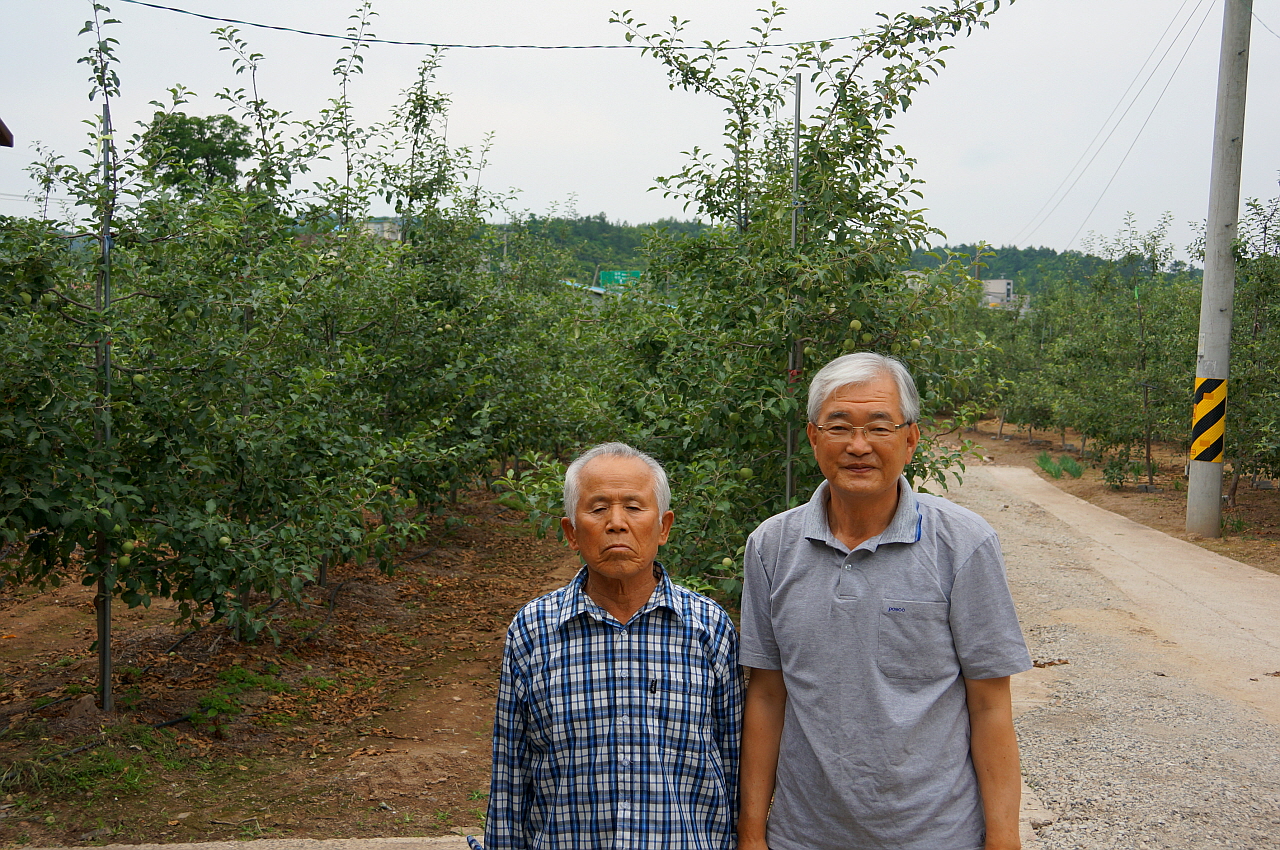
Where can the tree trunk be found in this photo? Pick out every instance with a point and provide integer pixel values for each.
(1235, 484)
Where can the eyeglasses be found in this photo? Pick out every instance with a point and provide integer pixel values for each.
(879, 432)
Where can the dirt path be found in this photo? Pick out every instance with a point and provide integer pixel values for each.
(1153, 720)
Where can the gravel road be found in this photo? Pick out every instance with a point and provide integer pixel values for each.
(1143, 738)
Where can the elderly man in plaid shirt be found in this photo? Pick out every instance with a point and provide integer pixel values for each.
(619, 709)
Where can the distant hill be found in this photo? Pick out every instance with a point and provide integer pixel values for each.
(1028, 268)
(597, 243)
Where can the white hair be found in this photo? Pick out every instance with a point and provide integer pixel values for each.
(859, 368)
(661, 489)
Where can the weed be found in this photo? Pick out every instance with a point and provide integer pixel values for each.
(406, 818)
(477, 795)
(1071, 466)
(1049, 465)
(1234, 524)
(242, 679)
(318, 683)
(97, 770)
(65, 662)
(443, 818)
(1115, 473)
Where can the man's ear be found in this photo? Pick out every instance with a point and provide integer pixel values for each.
(570, 533)
(667, 518)
(913, 438)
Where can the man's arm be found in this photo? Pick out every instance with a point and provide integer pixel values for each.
(761, 735)
(994, 746)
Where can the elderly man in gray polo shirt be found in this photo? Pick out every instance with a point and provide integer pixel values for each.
(881, 635)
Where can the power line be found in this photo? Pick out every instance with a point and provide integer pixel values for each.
(1154, 106)
(373, 40)
(1265, 27)
(1107, 121)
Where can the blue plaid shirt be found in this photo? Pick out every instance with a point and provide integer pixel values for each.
(617, 736)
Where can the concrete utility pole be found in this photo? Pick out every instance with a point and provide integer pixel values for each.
(1213, 352)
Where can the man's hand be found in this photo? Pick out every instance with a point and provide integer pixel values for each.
(761, 735)
(994, 747)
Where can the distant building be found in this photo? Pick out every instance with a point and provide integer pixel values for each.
(6, 138)
(998, 295)
(387, 228)
(997, 292)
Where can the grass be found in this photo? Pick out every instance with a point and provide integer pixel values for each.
(99, 771)
(1049, 465)
(1071, 466)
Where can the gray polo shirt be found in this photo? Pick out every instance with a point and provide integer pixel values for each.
(874, 645)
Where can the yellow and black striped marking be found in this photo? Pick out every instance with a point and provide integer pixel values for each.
(1208, 425)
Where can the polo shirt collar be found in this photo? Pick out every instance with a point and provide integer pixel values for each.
(576, 602)
(903, 528)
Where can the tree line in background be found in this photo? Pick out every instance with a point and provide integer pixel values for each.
(220, 378)
(1106, 346)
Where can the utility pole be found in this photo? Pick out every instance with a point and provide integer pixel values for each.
(1213, 350)
(106, 579)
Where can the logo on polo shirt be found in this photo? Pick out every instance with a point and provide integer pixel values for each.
(895, 609)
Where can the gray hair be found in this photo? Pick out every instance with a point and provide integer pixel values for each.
(863, 367)
(661, 489)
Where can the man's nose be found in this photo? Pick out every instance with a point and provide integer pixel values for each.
(859, 445)
(617, 518)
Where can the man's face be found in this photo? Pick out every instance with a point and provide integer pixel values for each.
(862, 469)
(618, 525)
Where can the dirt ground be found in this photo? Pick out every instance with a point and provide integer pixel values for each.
(371, 716)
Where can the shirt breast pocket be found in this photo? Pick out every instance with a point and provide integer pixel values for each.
(914, 640)
(679, 707)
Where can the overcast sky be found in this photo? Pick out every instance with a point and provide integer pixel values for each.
(995, 136)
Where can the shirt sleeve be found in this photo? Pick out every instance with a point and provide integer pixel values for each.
(727, 710)
(984, 622)
(509, 798)
(759, 648)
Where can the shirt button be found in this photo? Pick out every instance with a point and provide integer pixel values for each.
(622, 721)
